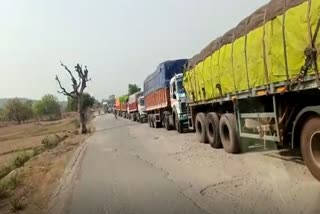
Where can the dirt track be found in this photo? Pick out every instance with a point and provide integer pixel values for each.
(130, 168)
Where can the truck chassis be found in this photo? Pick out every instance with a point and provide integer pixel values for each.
(285, 113)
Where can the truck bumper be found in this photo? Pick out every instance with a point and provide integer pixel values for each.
(184, 121)
(144, 118)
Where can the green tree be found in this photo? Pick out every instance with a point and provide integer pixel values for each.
(48, 106)
(18, 111)
(27, 112)
(2, 114)
(133, 88)
(72, 105)
(87, 102)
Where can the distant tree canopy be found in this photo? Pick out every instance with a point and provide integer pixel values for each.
(87, 102)
(123, 98)
(2, 114)
(133, 88)
(18, 111)
(48, 106)
(112, 99)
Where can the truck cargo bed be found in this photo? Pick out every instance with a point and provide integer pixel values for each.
(264, 52)
(158, 99)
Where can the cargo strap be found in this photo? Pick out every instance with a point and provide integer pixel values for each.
(310, 61)
(218, 86)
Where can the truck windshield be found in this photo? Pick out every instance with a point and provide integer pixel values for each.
(180, 88)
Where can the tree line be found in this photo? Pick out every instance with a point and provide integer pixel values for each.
(48, 108)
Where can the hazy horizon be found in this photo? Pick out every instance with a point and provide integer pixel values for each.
(121, 42)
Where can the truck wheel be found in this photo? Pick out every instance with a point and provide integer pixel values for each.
(149, 121)
(310, 145)
(228, 133)
(167, 123)
(178, 124)
(200, 124)
(213, 130)
(152, 122)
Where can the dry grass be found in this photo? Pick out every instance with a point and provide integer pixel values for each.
(16, 204)
(38, 152)
(17, 138)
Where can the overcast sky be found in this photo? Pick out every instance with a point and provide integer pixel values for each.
(121, 41)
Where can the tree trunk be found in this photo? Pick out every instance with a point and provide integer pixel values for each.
(81, 111)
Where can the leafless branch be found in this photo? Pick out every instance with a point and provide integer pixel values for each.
(63, 90)
(74, 81)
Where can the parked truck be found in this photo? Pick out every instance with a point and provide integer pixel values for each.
(260, 81)
(136, 108)
(121, 107)
(165, 99)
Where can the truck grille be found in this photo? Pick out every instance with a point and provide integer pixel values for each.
(183, 107)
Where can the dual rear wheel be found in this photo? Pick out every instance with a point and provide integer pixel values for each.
(223, 132)
(152, 122)
(217, 131)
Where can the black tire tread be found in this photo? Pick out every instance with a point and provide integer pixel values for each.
(233, 145)
(202, 137)
(310, 126)
(215, 140)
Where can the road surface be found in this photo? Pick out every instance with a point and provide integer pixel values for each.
(129, 168)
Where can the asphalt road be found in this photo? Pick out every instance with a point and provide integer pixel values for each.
(129, 168)
(114, 178)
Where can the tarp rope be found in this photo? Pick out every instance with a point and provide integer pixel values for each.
(310, 56)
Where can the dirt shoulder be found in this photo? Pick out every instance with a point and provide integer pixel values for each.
(33, 157)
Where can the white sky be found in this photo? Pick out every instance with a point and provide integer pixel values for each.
(121, 41)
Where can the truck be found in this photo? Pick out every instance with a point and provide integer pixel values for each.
(106, 107)
(121, 107)
(165, 100)
(260, 81)
(136, 108)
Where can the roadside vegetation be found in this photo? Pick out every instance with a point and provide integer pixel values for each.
(37, 138)
(32, 159)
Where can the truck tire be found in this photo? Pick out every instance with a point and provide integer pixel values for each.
(179, 127)
(310, 145)
(200, 124)
(213, 134)
(177, 123)
(152, 122)
(228, 134)
(149, 121)
(167, 123)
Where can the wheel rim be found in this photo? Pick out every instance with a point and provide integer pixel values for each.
(315, 147)
(226, 133)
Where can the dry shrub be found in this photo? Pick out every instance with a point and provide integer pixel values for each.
(51, 141)
(16, 204)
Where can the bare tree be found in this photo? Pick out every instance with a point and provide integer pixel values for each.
(77, 92)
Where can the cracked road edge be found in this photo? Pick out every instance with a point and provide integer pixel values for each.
(62, 192)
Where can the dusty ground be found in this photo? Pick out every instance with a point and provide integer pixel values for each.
(130, 168)
(37, 178)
